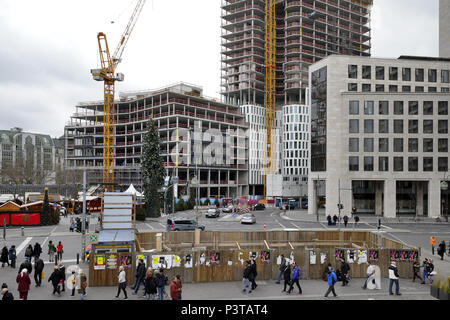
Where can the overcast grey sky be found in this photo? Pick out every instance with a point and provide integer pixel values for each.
(49, 46)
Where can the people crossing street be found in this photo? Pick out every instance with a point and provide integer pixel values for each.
(12, 255)
(51, 251)
(38, 269)
(37, 250)
(4, 256)
(23, 280)
(59, 251)
(441, 249)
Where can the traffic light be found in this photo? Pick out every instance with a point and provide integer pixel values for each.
(353, 210)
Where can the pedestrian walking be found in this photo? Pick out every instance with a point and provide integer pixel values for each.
(345, 221)
(72, 224)
(295, 278)
(332, 279)
(59, 251)
(416, 270)
(38, 268)
(433, 243)
(27, 265)
(23, 279)
(356, 221)
(81, 284)
(4, 256)
(150, 285)
(161, 282)
(283, 262)
(37, 250)
(369, 273)
(122, 282)
(441, 249)
(393, 278)
(254, 273)
(29, 252)
(325, 272)
(12, 256)
(179, 284)
(62, 270)
(73, 280)
(174, 289)
(286, 275)
(7, 296)
(55, 279)
(335, 219)
(140, 276)
(51, 251)
(345, 268)
(245, 278)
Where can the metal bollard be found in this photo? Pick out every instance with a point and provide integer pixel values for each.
(78, 258)
(22, 231)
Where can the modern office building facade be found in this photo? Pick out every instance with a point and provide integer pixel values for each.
(306, 31)
(379, 134)
(191, 126)
(444, 28)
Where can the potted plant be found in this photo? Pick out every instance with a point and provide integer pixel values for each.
(434, 288)
(444, 290)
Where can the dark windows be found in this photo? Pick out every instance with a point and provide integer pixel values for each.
(368, 144)
(413, 145)
(428, 108)
(413, 164)
(419, 89)
(353, 163)
(368, 107)
(353, 71)
(383, 164)
(398, 144)
(442, 145)
(398, 126)
(379, 87)
(419, 75)
(353, 145)
(443, 126)
(384, 108)
(432, 89)
(379, 73)
(354, 107)
(352, 87)
(442, 164)
(319, 120)
(427, 145)
(398, 163)
(443, 108)
(427, 164)
(353, 126)
(406, 88)
(393, 88)
(383, 145)
(445, 76)
(383, 126)
(393, 73)
(413, 109)
(427, 126)
(366, 87)
(406, 74)
(368, 126)
(366, 72)
(432, 75)
(413, 126)
(398, 107)
(368, 163)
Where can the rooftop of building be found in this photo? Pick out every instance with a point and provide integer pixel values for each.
(9, 136)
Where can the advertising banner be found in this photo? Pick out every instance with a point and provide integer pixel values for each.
(25, 219)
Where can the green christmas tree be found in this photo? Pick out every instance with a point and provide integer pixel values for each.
(153, 171)
(45, 215)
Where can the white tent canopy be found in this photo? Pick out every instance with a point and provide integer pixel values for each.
(132, 190)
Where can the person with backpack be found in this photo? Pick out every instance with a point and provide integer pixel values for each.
(12, 256)
(283, 262)
(59, 251)
(286, 275)
(150, 285)
(55, 278)
(4, 256)
(345, 268)
(393, 278)
(140, 276)
(245, 278)
(51, 251)
(29, 252)
(295, 278)
(161, 281)
(37, 250)
(38, 268)
(122, 282)
(332, 279)
(23, 279)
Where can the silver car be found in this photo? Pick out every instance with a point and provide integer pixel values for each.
(248, 218)
(212, 213)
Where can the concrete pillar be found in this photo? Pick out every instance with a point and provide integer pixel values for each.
(434, 198)
(390, 198)
(312, 197)
(378, 198)
(419, 198)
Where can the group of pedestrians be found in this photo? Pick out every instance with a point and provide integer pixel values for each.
(249, 276)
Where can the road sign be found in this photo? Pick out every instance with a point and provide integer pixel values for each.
(93, 238)
(444, 185)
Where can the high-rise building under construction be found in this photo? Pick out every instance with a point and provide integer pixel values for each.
(306, 31)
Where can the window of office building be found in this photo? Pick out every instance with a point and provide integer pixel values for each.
(443, 126)
(368, 107)
(406, 88)
(413, 126)
(368, 163)
(379, 87)
(428, 108)
(366, 72)
(353, 163)
(383, 145)
(368, 126)
(427, 145)
(379, 73)
(368, 144)
(398, 107)
(442, 145)
(432, 75)
(366, 87)
(352, 87)
(393, 88)
(398, 163)
(383, 164)
(427, 126)
(413, 164)
(353, 71)
(398, 144)
(384, 108)
(432, 89)
(393, 73)
(353, 126)
(413, 145)
(398, 126)
(443, 108)
(406, 74)
(445, 76)
(443, 164)
(419, 89)
(353, 145)
(445, 89)
(354, 107)
(428, 164)
(383, 126)
(419, 75)
(413, 109)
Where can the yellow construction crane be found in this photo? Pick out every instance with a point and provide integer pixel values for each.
(269, 98)
(108, 76)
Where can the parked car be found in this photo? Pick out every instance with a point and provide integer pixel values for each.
(228, 209)
(248, 218)
(260, 206)
(212, 213)
(183, 225)
(305, 204)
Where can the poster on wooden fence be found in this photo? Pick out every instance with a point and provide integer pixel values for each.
(413, 256)
(291, 257)
(126, 262)
(111, 261)
(265, 256)
(362, 256)
(214, 257)
(312, 257)
(395, 255)
(141, 257)
(252, 255)
(404, 255)
(350, 256)
(201, 259)
(240, 258)
(339, 254)
(162, 261)
(188, 261)
(176, 261)
(323, 257)
(99, 262)
(373, 255)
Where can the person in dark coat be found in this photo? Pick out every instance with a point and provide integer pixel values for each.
(55, 278)
(62, 270)
(26, 264)
(37, 250)
(345, 268)
(150, 285)
(246, 277)
(38, 268)
(23, 279)
(4, 256)
(29, 252)
(254, 273)
(345, 221)
(325, 272)
(335, 219)
(286, 275)
(7, 296)
(441, 249)
(140, 276)
(161, 280)
(12, 256)
(416, 270)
